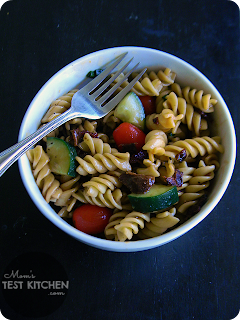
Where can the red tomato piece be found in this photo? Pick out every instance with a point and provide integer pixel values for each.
(127, 133)
(91, 219)
(149, 104)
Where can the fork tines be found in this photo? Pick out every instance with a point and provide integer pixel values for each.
(88, 89)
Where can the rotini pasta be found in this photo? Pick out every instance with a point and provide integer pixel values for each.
(110, 199)
(95, 145)
(130, 225)
(159, 224)
(45, 180)
(196, 186)
(165, 121)
(103, 162)
(190, 117)
(59, 106)
(155, 143)
(194, 147)
(196, 98)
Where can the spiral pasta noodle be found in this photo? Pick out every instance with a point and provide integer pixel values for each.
(144, 86)
(196, 186)
(59, 106)
(42, 173)
(194, 147)
(102, 183)
(66, 199)
(95, 145)
(110, 199)
(159, 224)
(167, 77)
(196, 98)
(109, 231)
(187, 175)
(155, 143)
(111, 120)
(165, 121)
(130, 225)
(103, 162)
(150, 168)
(190, 117)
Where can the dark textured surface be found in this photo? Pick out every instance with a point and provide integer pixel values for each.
(194, 277)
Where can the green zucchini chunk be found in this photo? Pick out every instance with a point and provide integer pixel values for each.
(159, 197)
(62, 157)
(131, 110)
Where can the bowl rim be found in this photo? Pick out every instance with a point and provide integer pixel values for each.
(129, 246)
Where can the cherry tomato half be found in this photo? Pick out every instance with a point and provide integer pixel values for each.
(149, 104)
(127, 133)
(91, 219)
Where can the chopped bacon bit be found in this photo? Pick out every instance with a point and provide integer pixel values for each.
(137, 183)
(77, 135)
(156, 120)
(182, 155)
(138, 157)
(175, 180)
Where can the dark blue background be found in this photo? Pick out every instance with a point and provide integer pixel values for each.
(194, 277)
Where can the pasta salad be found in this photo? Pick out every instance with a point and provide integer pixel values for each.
(140, 171)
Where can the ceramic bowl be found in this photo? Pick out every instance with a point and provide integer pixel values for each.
(70, 76)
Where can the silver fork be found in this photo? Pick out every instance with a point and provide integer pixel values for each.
(84, 104)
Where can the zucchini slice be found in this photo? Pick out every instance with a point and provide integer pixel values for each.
(62, 157)
(159, 197)
(131, 110)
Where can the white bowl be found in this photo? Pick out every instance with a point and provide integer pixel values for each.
(69, 77)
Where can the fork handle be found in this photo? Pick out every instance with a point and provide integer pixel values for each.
(12, 154)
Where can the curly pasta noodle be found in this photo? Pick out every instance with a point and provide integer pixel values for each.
(165, 121)
(190, 117)
(167, 77)
(212, 159)
(155, 143)
(103, 162)
(147, 86)
(42, 173)
(73, 122)
(161, 98)
(109, 231)
(110, 199)
(150, 169)
(130, 225)
(167, 168)
(110, 120)
(59, 106)
(194, 147)
(196, 98)
(143, 86)
(196, 186)
(102, 183)
(95, 145)
(159, 224)
(187, 175)
(87, 125)
(66, 199)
